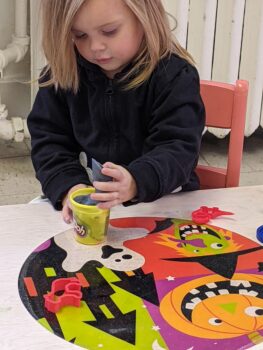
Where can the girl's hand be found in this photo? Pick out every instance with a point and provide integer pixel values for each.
(123, 187)
(66, 209)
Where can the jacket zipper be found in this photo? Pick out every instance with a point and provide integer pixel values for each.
(112, 123)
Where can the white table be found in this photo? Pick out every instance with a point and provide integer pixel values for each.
(24, 227)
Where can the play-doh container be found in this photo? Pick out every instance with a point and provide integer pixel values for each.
(90, 222)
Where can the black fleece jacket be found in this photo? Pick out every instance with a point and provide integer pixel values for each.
(154, 131)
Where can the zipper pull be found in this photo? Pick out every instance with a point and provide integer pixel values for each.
(109, 89)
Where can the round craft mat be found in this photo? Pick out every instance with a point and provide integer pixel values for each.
(130, 281)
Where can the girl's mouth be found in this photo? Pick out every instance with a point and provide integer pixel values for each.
(103, 60)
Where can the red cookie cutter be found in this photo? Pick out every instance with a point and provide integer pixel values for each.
(204, 214)
(71, 296)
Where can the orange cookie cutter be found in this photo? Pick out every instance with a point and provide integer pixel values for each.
(71, 296)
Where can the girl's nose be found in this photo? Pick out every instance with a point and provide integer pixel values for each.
(97, 45)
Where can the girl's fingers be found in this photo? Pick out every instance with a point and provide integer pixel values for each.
(115, 173)
(67, 213)
(110, 165)
(105, 196)
(109, 204)
(121, 189)
(106, 186)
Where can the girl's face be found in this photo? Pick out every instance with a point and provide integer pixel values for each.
(107, 33)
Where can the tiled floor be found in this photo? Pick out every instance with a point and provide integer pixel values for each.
(18, 183)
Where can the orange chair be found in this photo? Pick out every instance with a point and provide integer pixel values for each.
(225, 106)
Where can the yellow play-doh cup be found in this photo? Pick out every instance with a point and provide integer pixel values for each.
(90, 222)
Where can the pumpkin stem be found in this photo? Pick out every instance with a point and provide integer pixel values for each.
(255, 338)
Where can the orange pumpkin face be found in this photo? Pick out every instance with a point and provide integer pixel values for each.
(216, 308)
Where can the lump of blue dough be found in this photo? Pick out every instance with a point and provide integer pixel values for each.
(85, 200)
(97, 174)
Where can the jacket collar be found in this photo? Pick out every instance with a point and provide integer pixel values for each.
(95, 71)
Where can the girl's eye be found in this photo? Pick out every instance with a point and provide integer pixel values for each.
(80, 36)
(109, 32)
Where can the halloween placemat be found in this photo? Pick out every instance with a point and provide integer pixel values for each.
(156, 283)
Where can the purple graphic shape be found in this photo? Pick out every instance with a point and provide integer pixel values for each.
(197, 242)
(43, 246)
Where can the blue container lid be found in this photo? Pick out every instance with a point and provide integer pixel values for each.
(260, 233)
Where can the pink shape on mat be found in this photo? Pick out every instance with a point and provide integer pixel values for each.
(43, 246)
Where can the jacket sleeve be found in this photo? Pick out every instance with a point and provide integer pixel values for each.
(174, 131)
(55, 152)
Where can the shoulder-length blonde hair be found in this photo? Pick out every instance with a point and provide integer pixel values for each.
(57, 19)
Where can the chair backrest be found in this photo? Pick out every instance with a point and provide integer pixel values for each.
(225, 106)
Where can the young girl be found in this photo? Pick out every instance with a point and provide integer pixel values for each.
(119, 88)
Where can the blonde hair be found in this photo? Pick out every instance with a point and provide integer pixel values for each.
(57, 18)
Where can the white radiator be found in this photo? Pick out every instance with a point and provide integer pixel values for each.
(225, 38)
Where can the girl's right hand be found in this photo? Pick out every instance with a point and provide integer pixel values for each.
(66, 209)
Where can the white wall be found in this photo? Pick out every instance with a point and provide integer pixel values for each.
(14, 94)
(224, 36)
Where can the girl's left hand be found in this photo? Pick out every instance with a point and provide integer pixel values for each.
(122, 189)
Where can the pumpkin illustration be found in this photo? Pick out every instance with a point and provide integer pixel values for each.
(214, 307)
